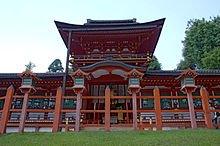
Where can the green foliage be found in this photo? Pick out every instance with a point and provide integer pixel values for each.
(202, 39)
(30, 66)
(70, 70)
(56, 66)
(114, 138)
(154, 65)
(183, 65)
(212, 60)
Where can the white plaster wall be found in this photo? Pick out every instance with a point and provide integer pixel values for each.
(45, 129)
(29, 129)
(11, 129)
(171, 128)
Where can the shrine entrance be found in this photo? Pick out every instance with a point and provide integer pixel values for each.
(112, 76)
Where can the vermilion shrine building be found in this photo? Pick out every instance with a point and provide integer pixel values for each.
(110, 87)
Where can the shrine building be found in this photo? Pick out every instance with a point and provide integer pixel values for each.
(110, 87)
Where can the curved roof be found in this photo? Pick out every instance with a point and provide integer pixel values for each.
(116, 37)
(175, 73)
(108, 25)
(111, 63)
(148, 74)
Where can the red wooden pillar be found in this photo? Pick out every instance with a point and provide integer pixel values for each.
(188, 86)
(6, 109)
(127, 114)
(107, 108)
(206, 109)
(78, 102)
(134, 77)
(27, 87)
(79, 77)
(191, 108)
(134, 106)
(157, 108)
(23, 111)
(57, 111)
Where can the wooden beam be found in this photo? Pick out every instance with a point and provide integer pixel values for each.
(121, 111)
(69, 111)
(32, 110)
(30, 125)
(216, 110)
(214, 96)
(181, 110)
(92, 111)
(3, 97)
(121, 97)
(69, 97)
(93, 97)
(144, 97)
(145, 111)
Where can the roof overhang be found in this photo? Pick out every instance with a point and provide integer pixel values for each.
(101, 37)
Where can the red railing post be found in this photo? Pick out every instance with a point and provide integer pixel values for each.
(157, 108)
(6, 109)
(78, 103)
(191, 108)
(107, 108)
(23, 112)
(206, 108)
(134, 106)
(57, 110)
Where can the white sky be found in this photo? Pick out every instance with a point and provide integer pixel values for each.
(28, 32)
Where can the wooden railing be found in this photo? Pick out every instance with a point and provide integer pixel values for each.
(176, 117)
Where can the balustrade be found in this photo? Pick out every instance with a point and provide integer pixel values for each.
(174, 110)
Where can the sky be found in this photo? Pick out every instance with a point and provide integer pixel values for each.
(28, 32)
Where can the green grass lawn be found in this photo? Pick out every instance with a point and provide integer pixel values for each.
(171, 137)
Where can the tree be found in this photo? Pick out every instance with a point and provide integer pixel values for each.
(201, 40)
(70, 70)
(56, 66)
(154, 65)
(30, 66)
(212, 58)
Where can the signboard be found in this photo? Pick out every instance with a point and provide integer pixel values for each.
(79, 81)
(134, 81)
